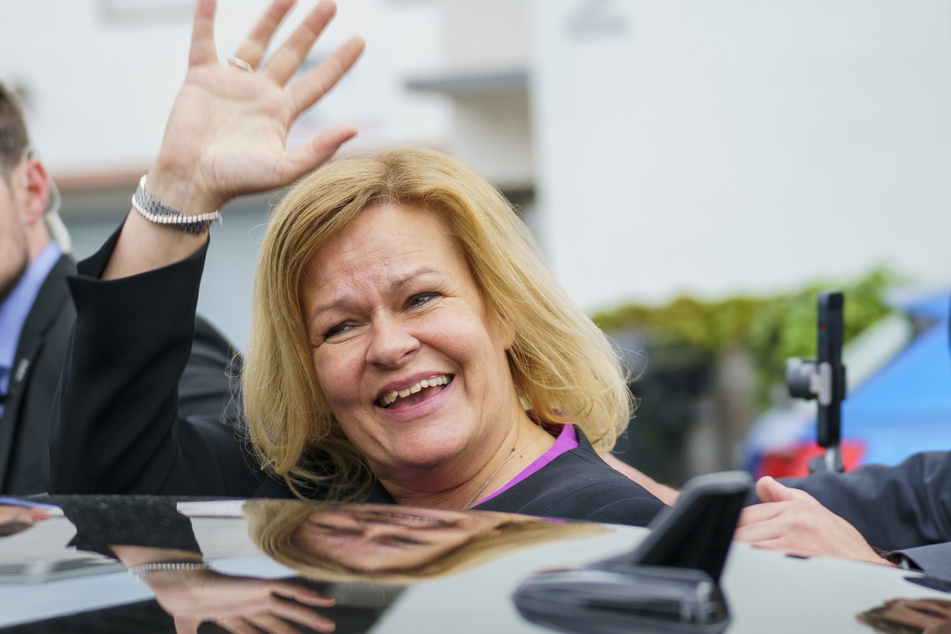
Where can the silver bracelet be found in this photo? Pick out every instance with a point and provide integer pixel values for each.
(162, 566)
(154, 211)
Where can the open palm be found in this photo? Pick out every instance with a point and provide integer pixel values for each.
(227, 132)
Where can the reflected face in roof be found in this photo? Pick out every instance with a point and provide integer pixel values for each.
(376, 538)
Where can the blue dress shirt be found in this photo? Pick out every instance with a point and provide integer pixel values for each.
(16, 308)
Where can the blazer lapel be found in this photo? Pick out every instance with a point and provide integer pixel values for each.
(50, 302)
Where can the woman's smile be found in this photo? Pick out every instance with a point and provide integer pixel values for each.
(416, 393)
(415, 407)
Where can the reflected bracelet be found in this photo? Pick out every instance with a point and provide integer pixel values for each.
(154, 211)
(164, 566)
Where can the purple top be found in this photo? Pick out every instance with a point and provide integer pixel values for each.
(566, 441)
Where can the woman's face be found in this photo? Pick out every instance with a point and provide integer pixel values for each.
(373, 538)
(405, 352)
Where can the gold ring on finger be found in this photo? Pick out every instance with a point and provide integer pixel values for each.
(240, 63)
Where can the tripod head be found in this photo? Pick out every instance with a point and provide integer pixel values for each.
(823, 378)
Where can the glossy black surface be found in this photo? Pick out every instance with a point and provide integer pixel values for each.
(390, 569)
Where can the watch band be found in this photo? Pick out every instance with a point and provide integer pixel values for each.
(154, 211)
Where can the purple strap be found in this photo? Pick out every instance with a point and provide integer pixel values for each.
(566, 441)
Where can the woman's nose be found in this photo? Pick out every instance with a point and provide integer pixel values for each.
(391, 343)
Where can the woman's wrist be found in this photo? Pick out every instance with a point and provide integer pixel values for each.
(156, 567)
(177, 578)
(155, 211)
(183, 193)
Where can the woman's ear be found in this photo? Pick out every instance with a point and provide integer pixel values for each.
(506, 330)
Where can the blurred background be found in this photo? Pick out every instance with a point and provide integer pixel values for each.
(693, 171)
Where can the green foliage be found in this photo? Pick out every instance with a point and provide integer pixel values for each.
(771, 329)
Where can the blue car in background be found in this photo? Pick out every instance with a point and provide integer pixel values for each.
(898, 401)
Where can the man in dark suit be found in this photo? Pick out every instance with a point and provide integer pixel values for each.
(37, 315)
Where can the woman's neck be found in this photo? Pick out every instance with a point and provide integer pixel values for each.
(525, 442)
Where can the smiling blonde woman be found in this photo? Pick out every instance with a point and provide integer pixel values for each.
(408, 344)
(560, 366)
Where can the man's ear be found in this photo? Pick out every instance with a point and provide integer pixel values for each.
(33, 189)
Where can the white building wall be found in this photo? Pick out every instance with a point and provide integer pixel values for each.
(100, 84)
(735, 145)
(675, 145)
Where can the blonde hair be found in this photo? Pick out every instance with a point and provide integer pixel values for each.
(563, 366)
(273, 526)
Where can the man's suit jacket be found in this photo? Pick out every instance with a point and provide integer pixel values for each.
(204, 389)
(24, 427)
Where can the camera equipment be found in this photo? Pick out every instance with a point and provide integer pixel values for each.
(823, 379)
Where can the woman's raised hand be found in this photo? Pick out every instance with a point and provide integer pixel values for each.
(227, 131)
(241, 605)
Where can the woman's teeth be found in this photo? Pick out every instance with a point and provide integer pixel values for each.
(390, 397)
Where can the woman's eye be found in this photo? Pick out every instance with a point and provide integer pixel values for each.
(339, 329)
(420, 299)
(407, 540)
(330, 529)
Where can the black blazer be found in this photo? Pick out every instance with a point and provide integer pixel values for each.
(118, 424)
(579, 485)
(205, 386)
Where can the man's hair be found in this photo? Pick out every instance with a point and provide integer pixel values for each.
(564, 368)
(13, 133)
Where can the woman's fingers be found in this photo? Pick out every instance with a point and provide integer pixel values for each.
(301, 594)
(312, 155)
(272, 624)
(253, 48)
(292, 602)
(202, 49)
(227, 132)
(319, 80)
(289, 57)
(238, 626)
(281, 621)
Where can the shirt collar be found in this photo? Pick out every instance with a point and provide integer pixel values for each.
(16, 308)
